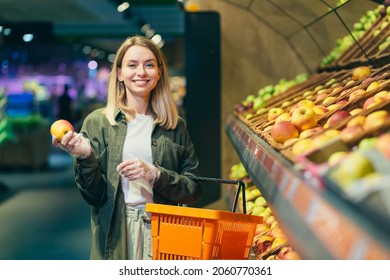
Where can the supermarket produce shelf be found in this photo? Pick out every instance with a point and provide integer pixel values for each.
(318, 223)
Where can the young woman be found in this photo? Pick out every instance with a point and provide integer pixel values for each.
(133, 151)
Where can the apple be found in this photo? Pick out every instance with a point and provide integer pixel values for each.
(368, 143)
(292, 255)
(328, 100)
(257, 210)
(332, 132)
(260, 201)
(373, 85)
(306, 102)
(310, 132)
(350, 133)
(321, 97)
(320, 140)
(376, 119)
(372, 101)
(357, 120)
(284, 250)
(304, 118)
(290, 141)
(361, 72)
(273, 113)
(333, 107)
(320, 110)
(337, 117)
(353, 167)
(356, 111)
(261, 228)
(382, 94)
(383, 144)
(284, 130)
(356, 94)
(270, 220)
(286, 116)
(279, 241)
(302, 146)
(286, 104)
(263, 243)
(60, 127)
(336, 157)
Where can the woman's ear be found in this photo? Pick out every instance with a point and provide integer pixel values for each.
(119, 75)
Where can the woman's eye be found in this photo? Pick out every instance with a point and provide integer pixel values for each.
(150, 65)
(132, 65)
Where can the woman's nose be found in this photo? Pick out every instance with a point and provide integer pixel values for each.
(141, 70)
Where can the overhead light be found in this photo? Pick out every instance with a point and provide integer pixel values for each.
(28, 37)
(123, 7)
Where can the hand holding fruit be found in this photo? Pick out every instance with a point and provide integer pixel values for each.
(64, 137)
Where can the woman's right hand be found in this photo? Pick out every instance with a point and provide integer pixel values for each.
(75, 144)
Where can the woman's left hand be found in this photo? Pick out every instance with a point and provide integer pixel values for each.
(134, 169)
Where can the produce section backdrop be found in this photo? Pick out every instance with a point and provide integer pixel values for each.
(264, 41)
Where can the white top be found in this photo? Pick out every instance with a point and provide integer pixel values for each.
(138, 145)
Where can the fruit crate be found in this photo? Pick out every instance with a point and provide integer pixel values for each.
(187, 233)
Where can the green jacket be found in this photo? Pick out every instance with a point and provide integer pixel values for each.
(100, 185)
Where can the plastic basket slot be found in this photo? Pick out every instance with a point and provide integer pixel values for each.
(180, 236)
(233, 240)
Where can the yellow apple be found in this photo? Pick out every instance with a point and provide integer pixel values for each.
(357, 120)
(320, 110)
(328, 100)
(286, 116)
(60, 127)
(336, 157)
(376, 119)
(304, 118)
(361, 72)
(273, 113)
(355, 111)
(306, 102)
(373, 85)
(382, 94)
(302, 146)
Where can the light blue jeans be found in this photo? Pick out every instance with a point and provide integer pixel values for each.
(139, 236)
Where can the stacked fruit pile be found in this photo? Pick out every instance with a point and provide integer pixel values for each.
(371, 32)
(270, 242)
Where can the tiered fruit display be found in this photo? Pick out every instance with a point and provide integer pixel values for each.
(360, 29)
(270, 242)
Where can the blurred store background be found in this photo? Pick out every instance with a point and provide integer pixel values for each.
(54, 60)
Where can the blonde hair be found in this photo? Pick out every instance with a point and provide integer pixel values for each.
(161, 103)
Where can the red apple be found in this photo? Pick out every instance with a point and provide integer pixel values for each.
(321, 97)
(304, 118)
(383, 144)
(356, 93)
(338, 117)
(372, 101)
(273, 113)
(60, 127)
(350, 133)
(284, 130)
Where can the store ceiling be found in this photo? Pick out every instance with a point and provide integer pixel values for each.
(94, 21)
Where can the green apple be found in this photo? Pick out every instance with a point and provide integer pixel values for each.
(355, 166)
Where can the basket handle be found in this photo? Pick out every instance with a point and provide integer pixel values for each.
(241, 187)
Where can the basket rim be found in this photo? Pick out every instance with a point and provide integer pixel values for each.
(201, 213)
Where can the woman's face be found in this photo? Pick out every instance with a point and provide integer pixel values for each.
(140, 72)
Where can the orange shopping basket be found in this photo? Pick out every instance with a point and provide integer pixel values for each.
(186, 233)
